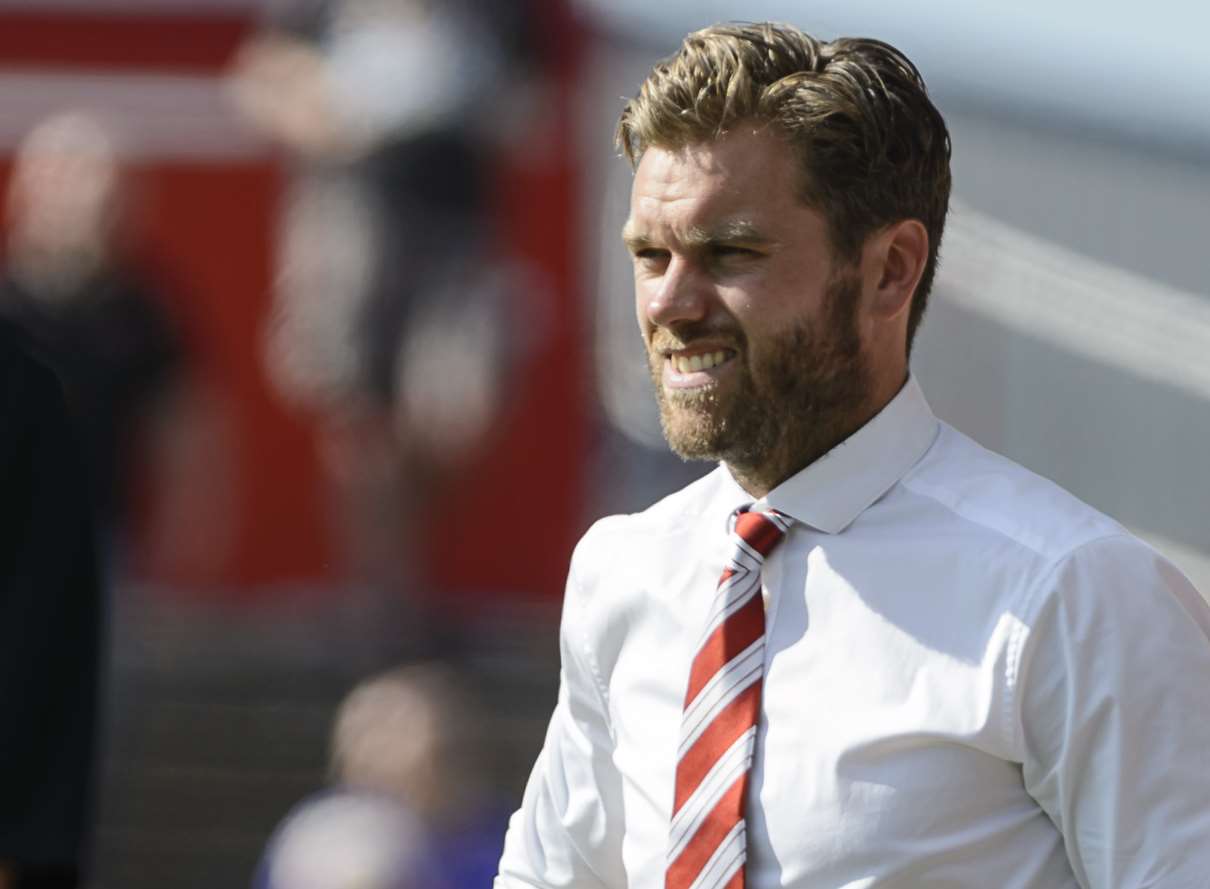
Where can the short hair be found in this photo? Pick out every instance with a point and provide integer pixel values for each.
(873, 147)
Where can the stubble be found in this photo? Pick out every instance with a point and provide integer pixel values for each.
(787, 405)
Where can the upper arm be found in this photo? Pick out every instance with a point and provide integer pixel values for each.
(1115, 716)
(568, 831)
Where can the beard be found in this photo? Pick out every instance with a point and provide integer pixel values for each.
(784, 407)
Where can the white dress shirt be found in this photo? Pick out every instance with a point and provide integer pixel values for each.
(972, 681)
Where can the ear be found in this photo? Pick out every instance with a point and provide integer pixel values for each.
(893, 260)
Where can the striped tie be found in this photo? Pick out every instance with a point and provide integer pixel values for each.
(707, 842)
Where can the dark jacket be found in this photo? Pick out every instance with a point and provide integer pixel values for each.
(50, 621)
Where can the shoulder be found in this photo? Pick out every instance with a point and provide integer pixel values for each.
(681, 512)
(30, 394)
(1079, 575)
(994, 496)
(625, 563)
(21, 361)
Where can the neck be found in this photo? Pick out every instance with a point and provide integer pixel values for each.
(789, 458)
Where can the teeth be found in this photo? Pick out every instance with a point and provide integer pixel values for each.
(685, 365)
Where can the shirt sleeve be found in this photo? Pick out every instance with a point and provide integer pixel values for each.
(1114, 696)
(568, 831)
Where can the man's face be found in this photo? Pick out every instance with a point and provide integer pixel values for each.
(750, 323)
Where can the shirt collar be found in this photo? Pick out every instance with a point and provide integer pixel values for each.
(833, 491)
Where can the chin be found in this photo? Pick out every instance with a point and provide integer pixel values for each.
(694, 451)
(693, 435)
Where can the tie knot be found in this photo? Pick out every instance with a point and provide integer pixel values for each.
(761, 531)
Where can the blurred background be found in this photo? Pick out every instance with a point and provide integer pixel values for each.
(335, 289)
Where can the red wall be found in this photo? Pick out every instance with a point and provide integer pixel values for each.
(209, 229)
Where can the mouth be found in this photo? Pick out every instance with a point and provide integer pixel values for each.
(697, 367)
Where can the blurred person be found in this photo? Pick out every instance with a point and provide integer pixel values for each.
(411, 739)
(50, 627)
(922, 665)
(416, 734)
(392, 310)
(70, 286)
(346, 840)
(398, 184)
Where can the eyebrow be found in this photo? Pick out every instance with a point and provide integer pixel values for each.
(741, 230)
(633, 239)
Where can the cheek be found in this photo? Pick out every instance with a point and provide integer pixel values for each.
(778, 303)
(751, 313)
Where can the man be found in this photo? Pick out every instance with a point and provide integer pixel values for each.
(68, 284)
(923, 666)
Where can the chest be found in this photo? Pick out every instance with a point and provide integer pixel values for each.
(873, 736)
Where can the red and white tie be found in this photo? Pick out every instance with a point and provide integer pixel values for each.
(707, 843)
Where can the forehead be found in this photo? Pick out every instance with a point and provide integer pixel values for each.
(749, 173)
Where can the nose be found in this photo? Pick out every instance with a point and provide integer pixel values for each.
(680, 295)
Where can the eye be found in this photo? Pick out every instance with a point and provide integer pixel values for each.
(727, 252)
(651, 256)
